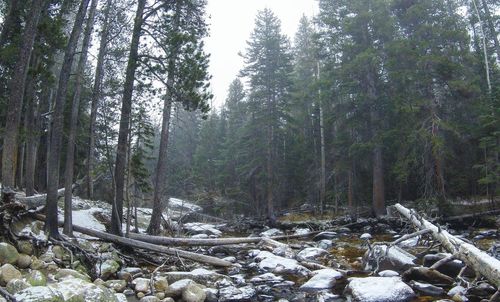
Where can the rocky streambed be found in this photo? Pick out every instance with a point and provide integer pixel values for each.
(355, 263)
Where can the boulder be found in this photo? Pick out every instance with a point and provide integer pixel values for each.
(25, 247)
(193, 293)
(69, 273)
(199, 275)
(7, 273)
(16, 285)
(325, 244)
(233, 293)
(150, 299)
(37, 278)
(396, 259)
(79, 290)
(24, 261)
(388, 273)
(39, 294)
(271, 233)
(175, 289)
(276, 264)
(8, 253)
(160, 284)
(108, 268)
(379, 289)
(141, 285)
(322, 279)
(427, 289)
(311, 253)
(116, 285)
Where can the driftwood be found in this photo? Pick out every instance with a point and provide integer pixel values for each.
(147, 246)
(175, 241)
(481, 262)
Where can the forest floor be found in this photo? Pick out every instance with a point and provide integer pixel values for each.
(339, 262)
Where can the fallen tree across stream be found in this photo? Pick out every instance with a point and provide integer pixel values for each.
(481, 262)
(147, 246)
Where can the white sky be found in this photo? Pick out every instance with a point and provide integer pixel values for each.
(231, 22)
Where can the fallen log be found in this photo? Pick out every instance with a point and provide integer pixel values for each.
(176, 241)
(471, 216)
(481, 262)
(147, 246)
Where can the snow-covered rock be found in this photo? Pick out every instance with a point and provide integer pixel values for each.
(39, 294)
(175, 289)
(388, 273)
(141, 285)
(311, 253)
(193, 293)
(301, 231)
(276, 264)
(395, 259)
(199, 275)
(322, 279)
(267, 278)
(233, 293)
(201, 228)
(325, 235)
(271, 233)
(179, 205)
(379, 289)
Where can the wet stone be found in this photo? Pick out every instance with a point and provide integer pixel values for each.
(427, 289)
(379, 289)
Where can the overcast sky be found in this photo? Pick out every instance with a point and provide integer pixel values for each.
(231, 22)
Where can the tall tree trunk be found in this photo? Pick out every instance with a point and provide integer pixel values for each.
(58, 123)
(11, 19)
(485, 49)
(32, 132)
(269, 174)
(70, 151)
(350, 190)
(20, 162)
(492, 29)
(96, 94)
(121, 152)
(16, 90)
(161, 166)
(322, 178)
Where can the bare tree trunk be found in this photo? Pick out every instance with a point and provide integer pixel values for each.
(96, 94)
(58, 123)
(75, 106)
(485, 50)
(322, 179)
(20, 162)
(161, 166)
(121, 152)
(32, 133)
(492, 29)
(16, 89)
(269, 176)
(350, 190)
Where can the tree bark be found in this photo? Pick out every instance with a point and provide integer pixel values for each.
(58, 123)
(96, 94)
(492, 29)
(161, 167)
(10, 21)
(482, 263)
(75, 106)
(121, 152)
(322, 178)
(16, 90)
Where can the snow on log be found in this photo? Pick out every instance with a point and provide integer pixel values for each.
(481, 262)
(147, 246)
(37, 200)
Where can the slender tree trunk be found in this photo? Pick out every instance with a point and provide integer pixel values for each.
(322, 179)
(58, 123)
(350, 190)
(20, 162)
(16, 90)
(485, 50)
(32, 132)
(492, 29)
(127, 187)
(121, 152)
(161, 168)
(269, 176)
(96, 94)
(75, 106)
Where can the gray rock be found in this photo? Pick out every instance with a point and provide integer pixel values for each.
(427, 289)
(199, 275)
(39, 294)
(24, 261)
(193, 293)
(388, 273)
(325, 244)
(379, 289)
(16, 285)
(451, 268)
(8, 272)
(69, 273)
(232, 293)
(25, 247)
(175, 289)
(311, 253)
(396, 259)
(8, 253)
(116, 285)
(160, 284)
(37, 278)
(271, 233)
(211, 295)
(150, 299)
(108, 268)
(141, 285)
(322, 279)
(79, 290)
